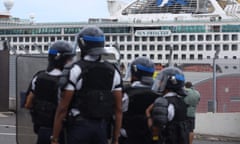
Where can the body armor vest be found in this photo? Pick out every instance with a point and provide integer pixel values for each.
(45, 99)
(176, 131)
(95, 99)
(134, 120)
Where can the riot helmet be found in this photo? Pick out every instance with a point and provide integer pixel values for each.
(59, 53)
(170, 78)
(91, 40)
(142, 68)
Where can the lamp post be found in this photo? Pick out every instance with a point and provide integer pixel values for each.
(170, 57)
(214, 80)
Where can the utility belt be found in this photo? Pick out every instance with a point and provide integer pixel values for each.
(79, 118)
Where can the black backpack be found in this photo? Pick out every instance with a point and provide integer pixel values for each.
(45, 99)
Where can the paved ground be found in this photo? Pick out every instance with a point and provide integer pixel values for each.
(8, 133)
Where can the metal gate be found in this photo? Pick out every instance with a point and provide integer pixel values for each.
(26, 67)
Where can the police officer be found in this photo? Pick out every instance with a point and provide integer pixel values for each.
(192, 99)
(140, 95)
(168, 112)
(42, 98)
(93, 93)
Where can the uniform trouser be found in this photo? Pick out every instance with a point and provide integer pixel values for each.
(86, 131)
(44, 135)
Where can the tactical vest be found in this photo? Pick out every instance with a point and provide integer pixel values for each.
(134, 120)
(45, 99)
(95, 99)
(176, 131)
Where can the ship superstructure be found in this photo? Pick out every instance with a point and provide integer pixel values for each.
(187, 31)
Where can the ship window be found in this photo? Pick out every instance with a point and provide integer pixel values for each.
(160, 38)
(152, 56)
(121, 47)
(66, 38)
(208, 37)
(191, 56)
(52, 39)
(159, 48)
(184, 47)
(20, 39)
(129, 56)
(225, 57)
(167, 47)
(184, 56)
(26, 48)
(152, 47)
(200, 47)
(208, 47)
(33, 39)
(26, 39)
(208, 57)
(225, 47)
(216, 47)
(234, 47)
(234, 37)
(45, 39)
(121, 38)
(217, 37)
(144, 38)
(144, 55)
(72, 38)
(200, 56)
(175, 56)
(159, 56)
(129, 47)
(39, 39)
(59, 38)
(122, 56)
(14, 39)
(45, 47)
(200, 37)
(191, 47)
(234, 57)
(144, 47)
(136, 55)
(184, 38)
(215, 29)
(192, 37)
(107, 38)
(136, 47)
(129, 38)
(151, 38)
(136, 38)
(225, 37)
(175, 47)
(114, 38)
(234, 67)
(175, 38)
(168, 38)
(167, 56)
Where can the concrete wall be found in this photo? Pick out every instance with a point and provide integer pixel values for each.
(219, 124)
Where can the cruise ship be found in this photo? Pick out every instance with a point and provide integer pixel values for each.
(183, 32)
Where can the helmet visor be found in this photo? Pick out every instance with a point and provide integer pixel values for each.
(97, 51)
(160, 82)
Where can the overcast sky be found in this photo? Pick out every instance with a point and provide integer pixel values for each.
(59, 10)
